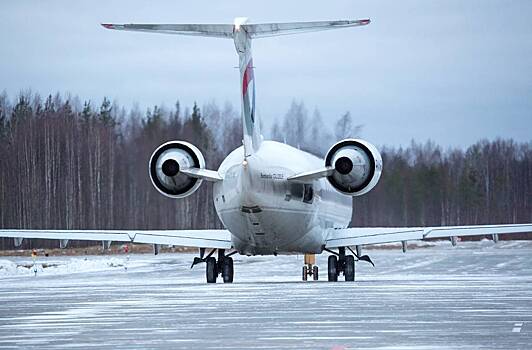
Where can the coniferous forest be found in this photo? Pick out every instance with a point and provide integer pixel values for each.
(72, 164)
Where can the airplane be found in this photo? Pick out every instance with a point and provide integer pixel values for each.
(271, 198)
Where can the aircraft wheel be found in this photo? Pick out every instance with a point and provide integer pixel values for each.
(227, 270)
(315, 273)
(212, 270)
(305, 272)
(332, 270)
(349, 271)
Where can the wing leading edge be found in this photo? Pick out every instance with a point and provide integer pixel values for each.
(374, 235)
(219, 239)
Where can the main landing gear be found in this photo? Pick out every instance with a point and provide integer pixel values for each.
(342, 263)
(214, 268)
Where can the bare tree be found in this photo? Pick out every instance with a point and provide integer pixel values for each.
(67, 164)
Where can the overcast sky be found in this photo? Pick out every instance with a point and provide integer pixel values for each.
(450, 71)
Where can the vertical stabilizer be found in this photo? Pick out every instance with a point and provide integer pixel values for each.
(252, 137)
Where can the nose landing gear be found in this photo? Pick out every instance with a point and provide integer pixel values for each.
(310, 269)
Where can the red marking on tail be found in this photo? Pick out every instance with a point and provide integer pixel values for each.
(248, 76)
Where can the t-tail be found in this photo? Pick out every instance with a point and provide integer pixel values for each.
(242, 34)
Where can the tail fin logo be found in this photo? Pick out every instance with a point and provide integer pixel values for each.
(247, 80)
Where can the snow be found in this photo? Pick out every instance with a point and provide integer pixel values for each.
(469, 297)
(22, 266)
(51, 266)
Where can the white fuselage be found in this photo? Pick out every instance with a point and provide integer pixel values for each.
(265, 213)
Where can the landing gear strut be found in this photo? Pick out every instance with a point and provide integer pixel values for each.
(309, 269)
(223, 267)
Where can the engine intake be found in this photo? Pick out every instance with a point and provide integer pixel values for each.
(166, 164)
(357, 166)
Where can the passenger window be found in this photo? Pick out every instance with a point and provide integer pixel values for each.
(308, 194)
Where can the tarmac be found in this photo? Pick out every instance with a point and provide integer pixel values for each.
(474, 296)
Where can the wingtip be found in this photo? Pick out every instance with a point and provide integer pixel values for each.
(365, 21)
(107, 25)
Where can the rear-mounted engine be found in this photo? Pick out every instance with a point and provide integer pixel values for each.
(357, 166)
(166, 164)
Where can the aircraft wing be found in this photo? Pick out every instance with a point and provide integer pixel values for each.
(220, 239)
(374, 235)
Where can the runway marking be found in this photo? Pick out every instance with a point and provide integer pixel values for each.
(317, 338)
(517, 327)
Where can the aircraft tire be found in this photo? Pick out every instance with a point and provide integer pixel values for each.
(332, 268)
(227, 270)
(212, 270)
(305, 273)
(315, 273)
(349, 271)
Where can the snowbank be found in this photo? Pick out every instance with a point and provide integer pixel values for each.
(11, 267)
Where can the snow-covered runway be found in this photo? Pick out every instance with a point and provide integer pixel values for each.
(477, 295)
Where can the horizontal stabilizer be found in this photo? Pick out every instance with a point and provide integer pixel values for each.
(209, 30)
(274, 29)
(227, 31)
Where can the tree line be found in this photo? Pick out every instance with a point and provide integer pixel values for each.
(67, 164)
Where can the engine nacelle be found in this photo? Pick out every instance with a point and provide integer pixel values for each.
(357, 166)
(165, 165)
